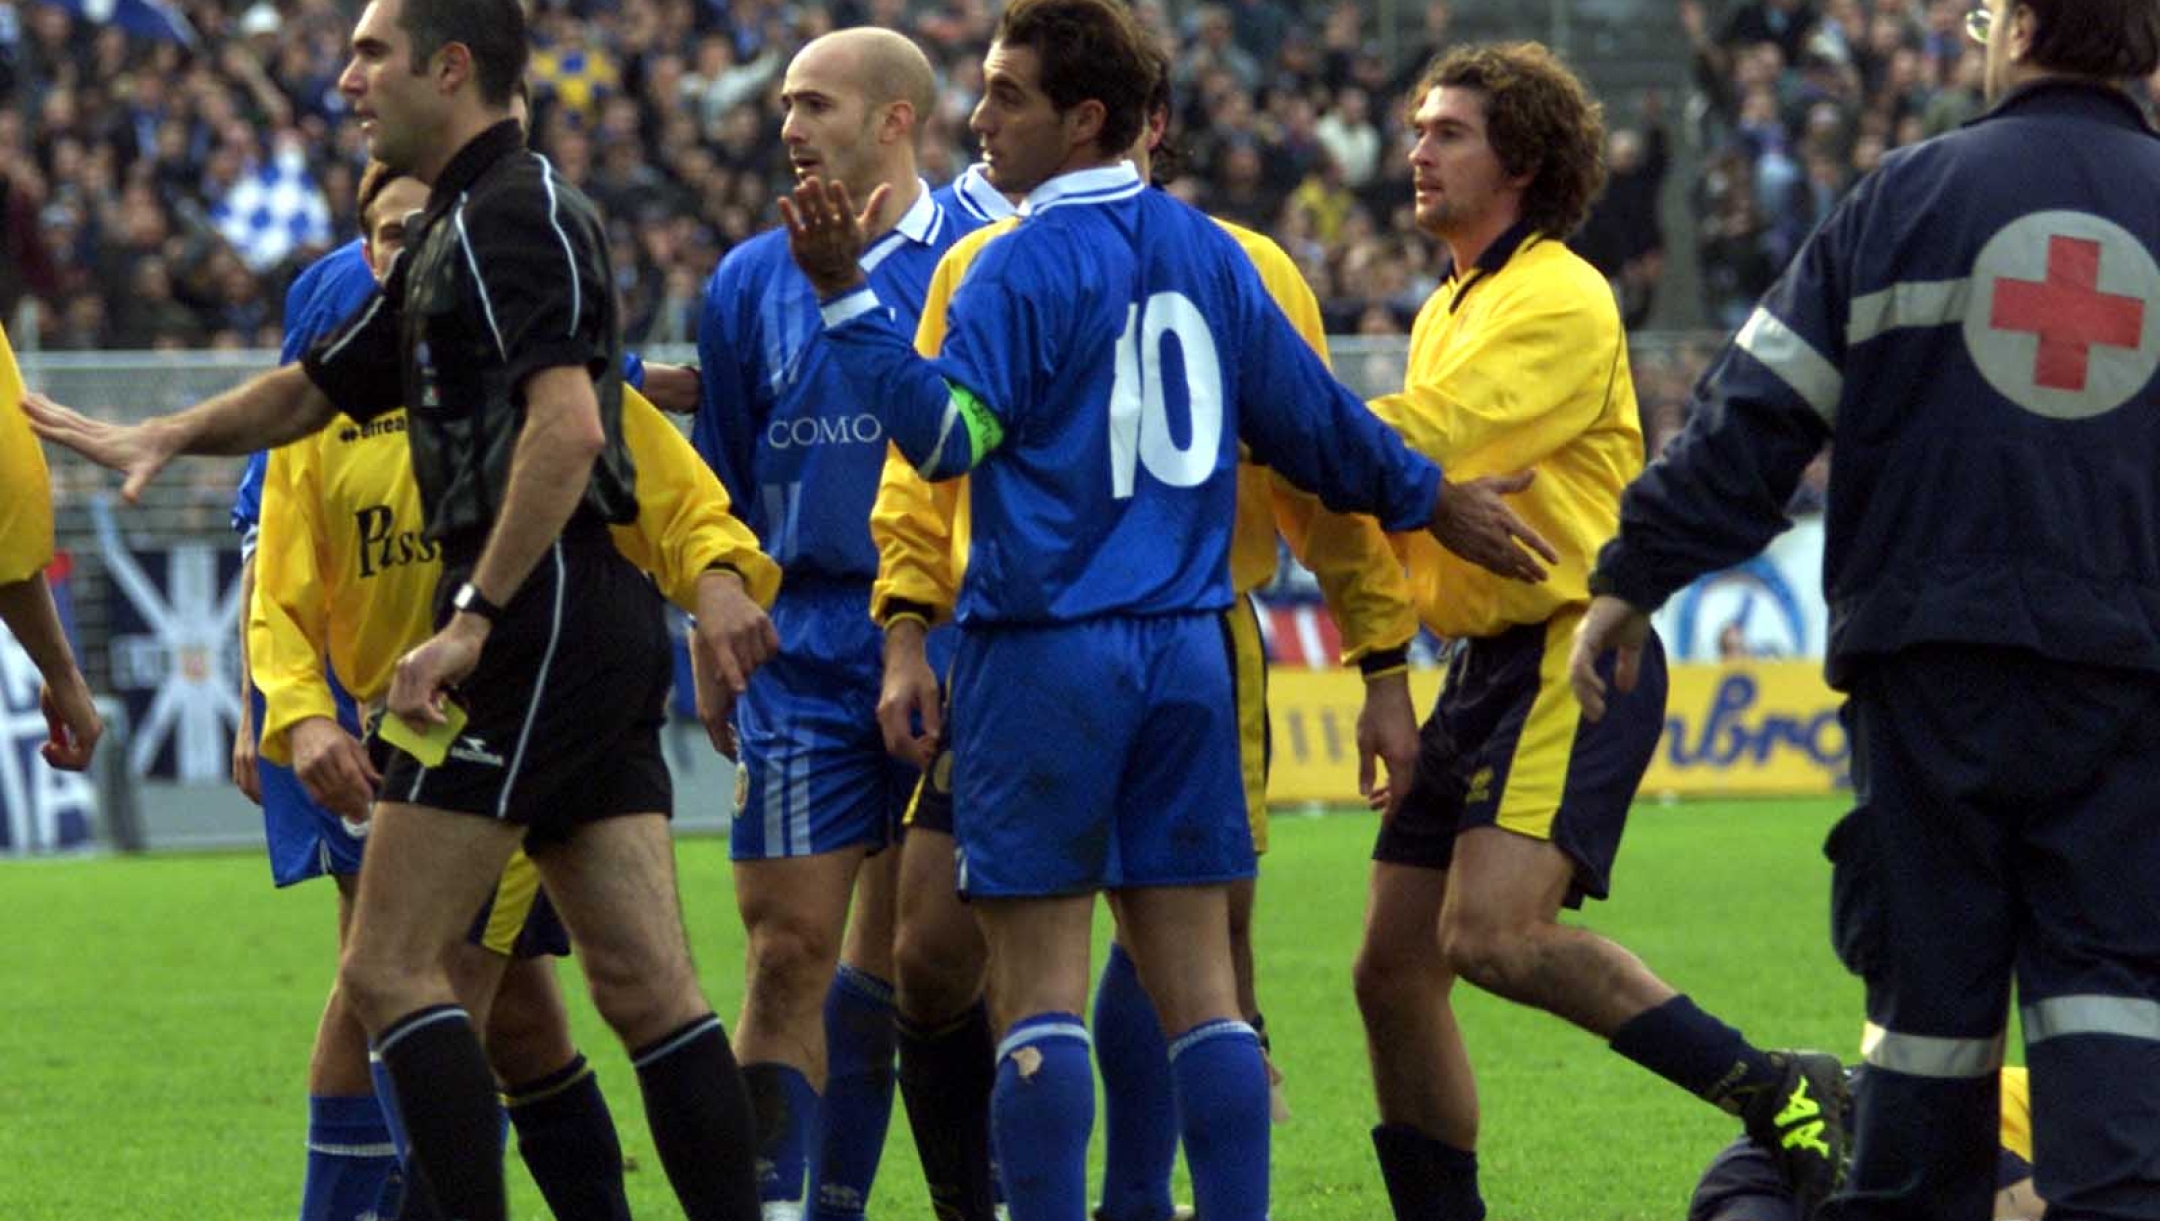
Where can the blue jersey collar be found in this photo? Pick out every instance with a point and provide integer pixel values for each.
(978, 198)
(920, 224)
(1103, 184)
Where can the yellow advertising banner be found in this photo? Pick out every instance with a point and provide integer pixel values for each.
(1735, 728)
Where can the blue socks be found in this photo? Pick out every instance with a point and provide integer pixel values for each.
(1222, 1108)
(1040, 1114)
(787, 1111)
(350, 1158)
(1697, 1052)
(1140, 1118)
(860, 1045)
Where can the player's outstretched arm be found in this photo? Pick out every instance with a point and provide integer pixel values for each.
(263, 412)
(71, 717)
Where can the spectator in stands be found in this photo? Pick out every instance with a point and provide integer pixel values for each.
(1623, 237)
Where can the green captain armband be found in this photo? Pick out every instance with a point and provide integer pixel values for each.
(983, 430)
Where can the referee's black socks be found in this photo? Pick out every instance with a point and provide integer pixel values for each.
(567, 1138)
(446, 1094)
(701, 1121)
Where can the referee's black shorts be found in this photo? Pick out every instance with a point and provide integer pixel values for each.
(566, 704)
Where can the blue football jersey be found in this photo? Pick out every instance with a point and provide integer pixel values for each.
(1102, 362)
(798, 449)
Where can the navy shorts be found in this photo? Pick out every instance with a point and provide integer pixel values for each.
(1507, 746)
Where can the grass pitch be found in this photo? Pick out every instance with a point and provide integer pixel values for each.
(157, 1014)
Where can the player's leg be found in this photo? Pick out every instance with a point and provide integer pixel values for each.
(1182, 835)
(859, 1050)
(795, 912)
(613, 882)
(565, 1132)
(1043, 1105)
(1426, 1140)
(1140, 1133)
(948, 1055)
(1544, 808)
(813, 801)
(1180, 939)
(352, 1156)
(352, 1163)
(426, 872)
(552, 1098)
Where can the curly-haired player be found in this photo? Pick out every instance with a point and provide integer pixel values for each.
(1517, 803)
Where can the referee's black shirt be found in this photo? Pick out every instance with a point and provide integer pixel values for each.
(506, 274)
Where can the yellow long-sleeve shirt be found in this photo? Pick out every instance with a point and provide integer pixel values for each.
(343, 571)
(26, 524)
(1517, 364)
(921, 529)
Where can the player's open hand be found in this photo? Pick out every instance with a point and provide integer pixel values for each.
(1387, 736)
(732, 639)
(426, 675)
(826, 234)
(1473, 520)
(1609, 626)
(674, 389)
(245, 775)
(909, 698)
(72, 723)
(333, 767)
(138, 451)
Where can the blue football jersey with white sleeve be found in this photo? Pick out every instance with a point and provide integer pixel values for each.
(1102, 362)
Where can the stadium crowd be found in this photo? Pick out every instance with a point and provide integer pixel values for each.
(157, 196)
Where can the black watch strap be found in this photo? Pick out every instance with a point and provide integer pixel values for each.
(470, 600)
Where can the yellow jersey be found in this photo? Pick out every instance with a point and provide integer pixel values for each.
(1520, 362)
(921, 529)
(343, 570)
(26, 524)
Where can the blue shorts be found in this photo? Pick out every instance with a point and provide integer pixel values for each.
(815, 776)
(1507, 747)
(305, 841)
(1097, 755)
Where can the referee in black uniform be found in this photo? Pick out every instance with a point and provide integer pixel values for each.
(497, 329)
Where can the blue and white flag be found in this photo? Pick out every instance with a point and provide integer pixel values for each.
(175, 653)
(145, 18)
(273, 210)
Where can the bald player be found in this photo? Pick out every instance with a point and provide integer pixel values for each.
(817, 795)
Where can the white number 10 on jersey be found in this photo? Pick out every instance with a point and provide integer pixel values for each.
(1139, 417)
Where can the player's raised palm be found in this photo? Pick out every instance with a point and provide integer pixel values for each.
(826, 234)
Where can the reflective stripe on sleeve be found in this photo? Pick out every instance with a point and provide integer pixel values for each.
(1794, 360)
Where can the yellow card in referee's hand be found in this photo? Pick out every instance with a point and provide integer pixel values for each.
(430, 746)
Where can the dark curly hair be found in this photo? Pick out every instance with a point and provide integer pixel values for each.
(2112, 39)
(1539, 119)
(1088, 49)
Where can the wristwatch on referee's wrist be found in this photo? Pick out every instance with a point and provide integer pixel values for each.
(470, 600)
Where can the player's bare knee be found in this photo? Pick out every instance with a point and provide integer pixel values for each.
(1387, 975)
(640, 1004)
(935, 980)
(789, 959)
(1488, 953)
